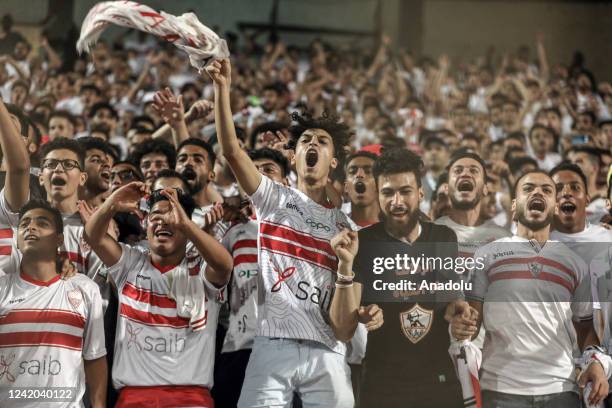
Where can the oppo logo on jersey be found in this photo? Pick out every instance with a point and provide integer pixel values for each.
(44, 366)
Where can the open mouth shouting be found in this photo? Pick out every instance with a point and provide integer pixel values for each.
(105, 175)
(465, 185)
(536, 205)
(58, 181)
(567, 208)
(189, 174)
(360, 187)
(312, 157)
(162, 233)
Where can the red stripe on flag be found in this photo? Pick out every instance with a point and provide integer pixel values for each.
(147, 296)
(282, 231)
(6, 233)
(74, 257)
(245, 258)
(477, 394)
(153, 319)
(298, 252)
(545, 276)
(245, 243)
(43, 316)
(45, 338)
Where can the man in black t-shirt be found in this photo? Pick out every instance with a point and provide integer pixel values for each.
(407, 361)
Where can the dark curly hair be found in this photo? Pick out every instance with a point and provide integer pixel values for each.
(339, 132)
(394, 161)
(154, 146)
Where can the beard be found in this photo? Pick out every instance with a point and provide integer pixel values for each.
(534, 225)
(465, 205)
(400, 228)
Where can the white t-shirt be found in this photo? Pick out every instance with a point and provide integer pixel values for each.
(241, 242)
(47, 329)
(8, 232)
(601, 272)
(596, 210)
(297, 264)
(589, 243)
(154, 346)
(530, 298)
(469, 238)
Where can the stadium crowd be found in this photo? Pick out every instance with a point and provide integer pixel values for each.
(221, 226)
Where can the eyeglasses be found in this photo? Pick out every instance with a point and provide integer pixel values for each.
(67, 164)
(124, 175)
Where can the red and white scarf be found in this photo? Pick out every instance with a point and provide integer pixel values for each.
(186, 32)
(467, 358)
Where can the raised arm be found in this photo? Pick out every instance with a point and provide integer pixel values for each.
(16, 160)
(216, 256)
(125, 199)
(243, 168)
(172, 111)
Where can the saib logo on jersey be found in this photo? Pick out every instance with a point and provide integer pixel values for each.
(416, 323)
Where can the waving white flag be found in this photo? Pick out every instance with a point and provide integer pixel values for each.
(186, 32)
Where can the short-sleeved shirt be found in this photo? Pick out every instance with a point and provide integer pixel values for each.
(297, 263)
(531, 294)
(154, 346)
(47, 329)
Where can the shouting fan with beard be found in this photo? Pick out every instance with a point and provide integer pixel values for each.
(414, 333)
(296, 349)
(466, 189)
(531, 290)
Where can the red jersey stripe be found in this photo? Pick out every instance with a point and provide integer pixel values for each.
(245, 243)
(299, 252)
(5, 249)
(146, 296)
(545, 276)
(282, 231)
(6, 233)
(153, 319)
(45, 338)
(74, 257)
(43, 316)
(245, 258)
(537, 259)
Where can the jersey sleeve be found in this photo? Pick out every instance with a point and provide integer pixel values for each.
(7, 216)
(94, 345)
(267, 197)
(478, 276)
(131, 261)
(218, 295)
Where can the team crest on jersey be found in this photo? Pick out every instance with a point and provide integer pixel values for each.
(416, 323)
(535, 268)
(75, 298)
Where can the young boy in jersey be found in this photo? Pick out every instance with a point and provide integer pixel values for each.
(169, 300)
(295, 349)
(51, 329)
(537, 310)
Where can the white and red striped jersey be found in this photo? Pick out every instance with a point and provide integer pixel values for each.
(154, 346)
(47, 329)
(531, 294)
(241, 241)
(297, 263)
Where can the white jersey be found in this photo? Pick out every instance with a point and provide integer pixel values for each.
(297, 264)
(601, 271)
(589, 243)
(8, 232)
(530, 297)
(47, 329)
(154, 346)
(596, 210)
(469, 239)
(241, 242)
